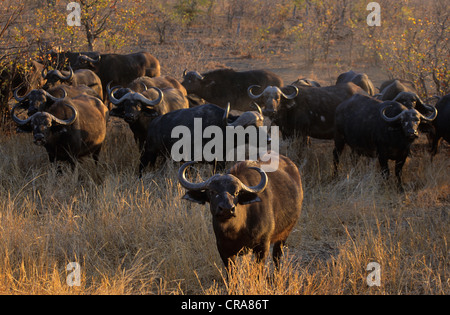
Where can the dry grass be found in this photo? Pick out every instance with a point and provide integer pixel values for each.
(135, 236)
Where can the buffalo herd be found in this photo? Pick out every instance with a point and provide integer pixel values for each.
(67, 110)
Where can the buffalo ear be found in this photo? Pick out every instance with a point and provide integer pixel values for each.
(200, 197)
(246, 198)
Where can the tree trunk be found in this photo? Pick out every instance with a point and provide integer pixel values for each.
(89, 36)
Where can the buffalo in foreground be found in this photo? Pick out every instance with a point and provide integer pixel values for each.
(250, 209)
(377, 129)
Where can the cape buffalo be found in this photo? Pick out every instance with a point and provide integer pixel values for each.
(377, 129)
(391, 88)
(159, 137)
(225, 86)
(405, 93)
(70, 128)
(250, 209)
(441, 124)
(79, 77)
(138, 109)
(120, 69)
(308, 111)
(360, 79)
(40, 100)
(161, 82)
(271, 96)
(60, 59)
(15, 77)
(305, 82)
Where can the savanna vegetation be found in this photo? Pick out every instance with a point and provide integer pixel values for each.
(136, 236)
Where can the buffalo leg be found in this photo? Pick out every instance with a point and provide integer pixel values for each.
(96, 154)
(384, 166)
(146, 158)
(277, 252)
(261, 251)
(228, 258)
(354, 157)
(339, 145)
(53, 160)
(398, 173)
(434, 145)
(228, 261)
(336, 155)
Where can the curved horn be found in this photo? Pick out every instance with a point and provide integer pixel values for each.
(434, 97)
(192, 186)
(257, 107)
(44, 73)
(250, 92)
(262, 184)
(437, 97)
(403, 94)
(66, 122)
(116, 101)
(144, 86)
(418, 100)
(55, 99)
(20, 99)
(110, 91)
(426, 106)
(89, 59)
(389, 119)
(293, 95)
(378, 96)
(19, 121)
(227, 113)
(246, 119)
(65, 78)
(198, 75)
(184, 72)
(141, 98)
(432, 116)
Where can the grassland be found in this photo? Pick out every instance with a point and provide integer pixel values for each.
(134, 236)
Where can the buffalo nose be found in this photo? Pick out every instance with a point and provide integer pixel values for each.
(227, 210)
(130, 117)
(39, 139)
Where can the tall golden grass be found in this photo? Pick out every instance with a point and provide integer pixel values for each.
(134, 236)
